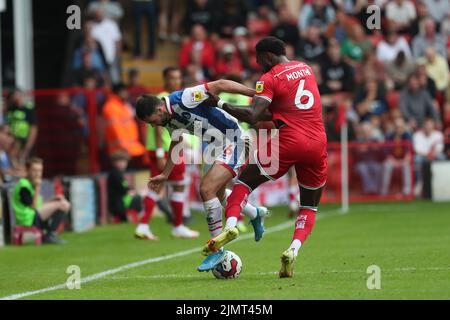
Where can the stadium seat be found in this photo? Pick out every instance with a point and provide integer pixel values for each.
(18, 231)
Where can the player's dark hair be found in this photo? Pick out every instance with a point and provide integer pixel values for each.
(146, 105)
(272, 45)
(118, 87)
(168, 70)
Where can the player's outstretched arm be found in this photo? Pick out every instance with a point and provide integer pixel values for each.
(258, 111)
(219, 86)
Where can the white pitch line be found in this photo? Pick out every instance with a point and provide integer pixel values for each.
(106, 273)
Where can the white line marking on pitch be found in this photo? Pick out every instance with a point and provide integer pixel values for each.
(106, 273)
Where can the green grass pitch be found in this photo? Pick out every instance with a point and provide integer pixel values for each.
(410, 242)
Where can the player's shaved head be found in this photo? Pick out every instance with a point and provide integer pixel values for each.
(272, 45)
(270, 51)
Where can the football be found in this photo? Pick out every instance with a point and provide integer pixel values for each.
(229, 268)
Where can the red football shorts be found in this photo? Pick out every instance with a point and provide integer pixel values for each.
(177, 174)
(288, 148)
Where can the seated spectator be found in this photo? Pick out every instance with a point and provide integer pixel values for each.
(313, 47)
(121, 129)
(437, 68)
(429, 38)
(21, 116)
(425, 81)
(367, 162)
(416, 104)
(7, 170)
(370, 99)
(428, 146)
(356, 45)
(229, 62)
(233, 15)
(389, 48)
(445, 28)
(286, 29)
(199, 12)
(123, 202)
(341, 27)
(398, 70)
(337, 75)
(319, 12)
(134, 86)
(29, 208)
(398, 157)
(86, 69)
(113, 9)
(438, 10)
(401, 15)
(198, 49)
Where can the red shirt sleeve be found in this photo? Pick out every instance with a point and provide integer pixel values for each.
(265, 87)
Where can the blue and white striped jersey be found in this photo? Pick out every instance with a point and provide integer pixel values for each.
(189, 113)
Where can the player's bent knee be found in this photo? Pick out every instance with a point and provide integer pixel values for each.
(208, 190)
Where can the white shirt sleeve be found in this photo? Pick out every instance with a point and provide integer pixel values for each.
(192, 97)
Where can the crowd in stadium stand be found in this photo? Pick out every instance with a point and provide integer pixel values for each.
(391, 82)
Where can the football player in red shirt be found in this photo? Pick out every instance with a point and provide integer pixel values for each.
(288, 89)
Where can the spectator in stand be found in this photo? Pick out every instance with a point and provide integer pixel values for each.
(7, 170)
(198, 49)
(107, 33)
(233, 15)
(121, 129)
(363, 14)
(240, 41)
(429, 38)
(21, 117)
(319, 12)
(367, 162)
(87, 68)
(438, 9)
(341, 27)
(428, 146)
(445, 29)
(370, 99)
(193, 75)
(416, 104)
(200, 12)
(113, 9)
(422, 15)
(170, 19)
(124, 204)
(313, 46)
(147, 9)
(337, 75)
(437, 68)
(356, 45)
(89, 45)
(425, 81)
(398, 70)
(401, 15)
(134, 87)
(29, 208)
(286, 29)
(388, 48)
(229, 62)
(254, 5)
(399, 157)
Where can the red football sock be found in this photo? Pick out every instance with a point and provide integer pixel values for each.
(237, 200)
(304, 224)
(177, 203)
(149, 205)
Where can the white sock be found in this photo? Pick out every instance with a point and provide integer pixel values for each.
(295, 245)
(249, 209)
(213, 210)
(231, 223)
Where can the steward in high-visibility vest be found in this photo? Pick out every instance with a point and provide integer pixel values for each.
(121, 132)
